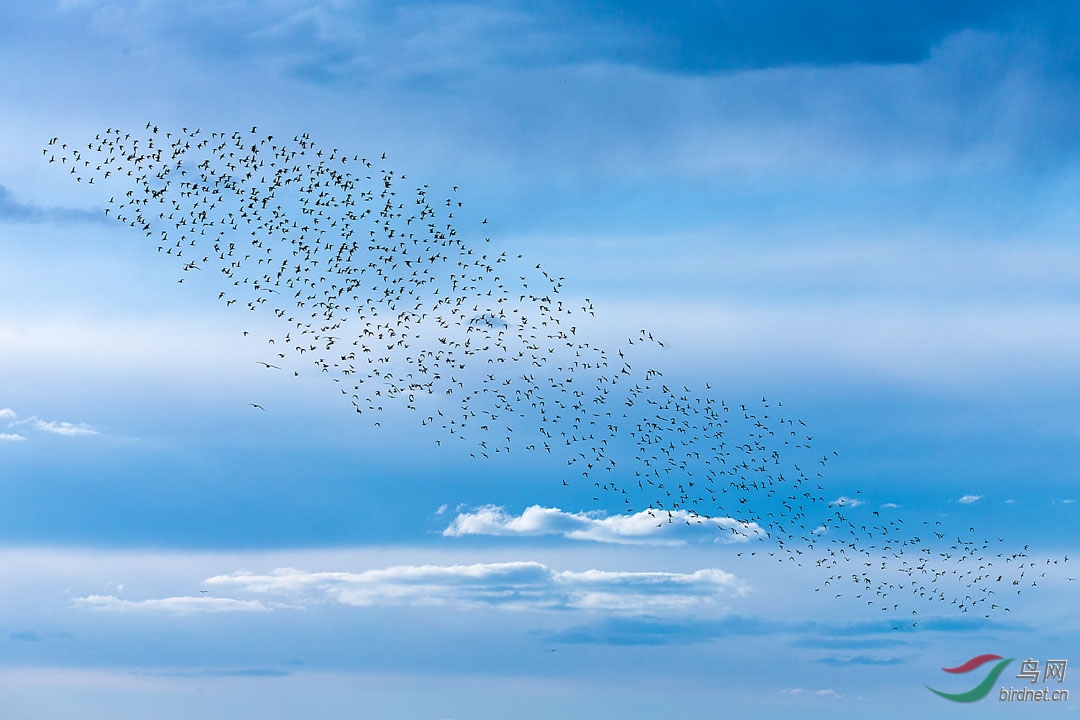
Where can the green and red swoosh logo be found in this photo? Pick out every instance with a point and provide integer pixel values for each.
(979, 691)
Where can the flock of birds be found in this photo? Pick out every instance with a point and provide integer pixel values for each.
(373, 287)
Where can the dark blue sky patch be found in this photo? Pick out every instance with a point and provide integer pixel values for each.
(699, 36)
(656, 631)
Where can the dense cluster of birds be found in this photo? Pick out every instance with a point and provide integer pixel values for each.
(373, 286)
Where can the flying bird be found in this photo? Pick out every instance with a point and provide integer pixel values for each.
(371, 285)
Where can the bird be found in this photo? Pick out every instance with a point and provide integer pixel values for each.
(367, 282)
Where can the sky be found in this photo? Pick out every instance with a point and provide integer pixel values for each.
(864, 211)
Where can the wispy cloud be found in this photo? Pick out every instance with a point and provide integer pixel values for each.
(507, 585)
(171, 605)
(13, 210)
(654, 527)
(35, 636)
(9, 415)
(850, 643)
(24, 636)
(844, 501)
(216, 672)
(651, 630)
(860, 660)
(63, 427)
(56, 427)
(645, 630)
(968, 499)
(827, 692)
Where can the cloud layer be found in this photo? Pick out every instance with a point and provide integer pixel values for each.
(55, 427)
(171, 605)
(518, 585)
(652, 526)
(508, 585)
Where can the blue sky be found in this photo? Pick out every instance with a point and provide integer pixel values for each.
(863, 211)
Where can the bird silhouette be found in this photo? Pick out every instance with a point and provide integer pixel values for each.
(373, 287)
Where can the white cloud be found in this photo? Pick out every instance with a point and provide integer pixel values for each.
(57, 427)
(173, 605)
(654, 527)
(63, 428)
(508, 585)
(11, 437)
(828, 692)
(844, 501)
(968, 499)
(7, 414)
(891, 506)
